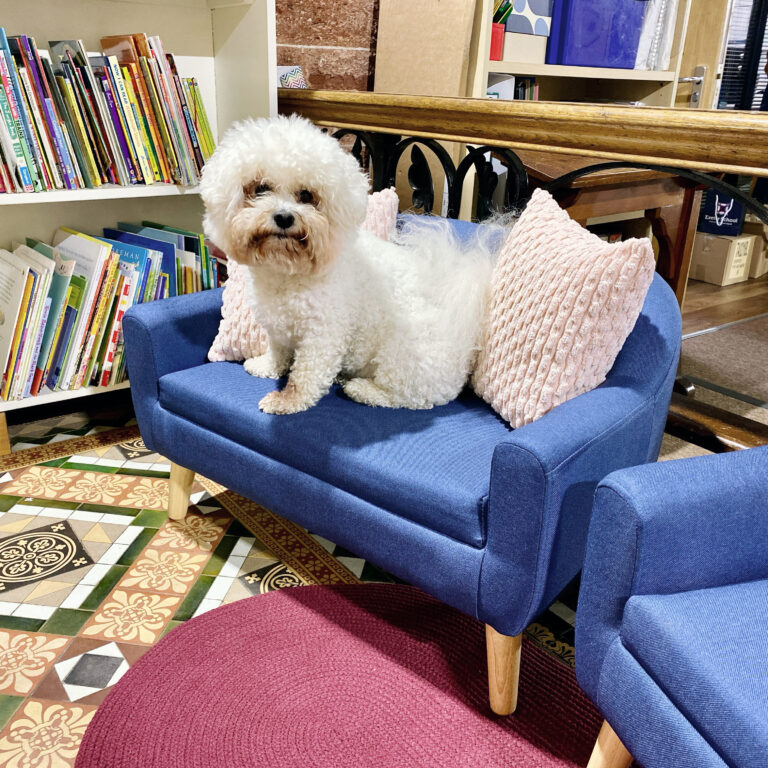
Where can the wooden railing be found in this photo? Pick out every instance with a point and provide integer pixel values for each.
(714, 141)
(667, 139)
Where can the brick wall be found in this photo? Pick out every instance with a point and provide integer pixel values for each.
(334, 41)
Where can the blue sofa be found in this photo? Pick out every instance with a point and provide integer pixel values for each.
(671, 640)
(491, 520)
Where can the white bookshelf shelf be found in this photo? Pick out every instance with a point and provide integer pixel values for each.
(105, 192)
(47, 396)
(592, 73)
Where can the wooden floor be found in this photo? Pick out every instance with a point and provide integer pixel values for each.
(707, 305)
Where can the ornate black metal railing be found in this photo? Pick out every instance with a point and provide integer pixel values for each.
(383, 153)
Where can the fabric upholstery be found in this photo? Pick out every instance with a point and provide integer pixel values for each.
(653, 729)
(710, 531)
(432, 466)
(706, 649)
(416, 469)
(562, 304)
(670, 631)
(240, 337)
(444, 567)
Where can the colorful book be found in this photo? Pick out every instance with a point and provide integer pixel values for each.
(90, 256)
(13, 281)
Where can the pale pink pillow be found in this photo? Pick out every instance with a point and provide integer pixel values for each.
(240, 337)
(562, 304)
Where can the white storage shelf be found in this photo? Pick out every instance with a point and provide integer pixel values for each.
(559, 70)
(228, 45)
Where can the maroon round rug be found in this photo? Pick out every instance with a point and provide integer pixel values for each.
(337, 677)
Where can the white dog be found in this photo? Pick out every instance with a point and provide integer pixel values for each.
(398, 324)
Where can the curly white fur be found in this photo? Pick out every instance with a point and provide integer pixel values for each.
(399, 324)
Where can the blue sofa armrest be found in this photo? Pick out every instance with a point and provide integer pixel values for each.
(543, 478)
(162, 337)
(668, 528)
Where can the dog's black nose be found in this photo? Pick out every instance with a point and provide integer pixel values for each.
(283, 219)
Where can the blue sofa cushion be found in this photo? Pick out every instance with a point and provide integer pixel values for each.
(431, 467)
(707, 649)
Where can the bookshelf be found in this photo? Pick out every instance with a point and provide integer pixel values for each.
(228, 45)
(568, 83)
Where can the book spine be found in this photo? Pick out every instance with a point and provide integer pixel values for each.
(39, 382)
(47, 110)
(160, 120)
(174, 117)
(43, 147)
(140, 124)
(65, 337)
(88, 120)
(18, 330)
(138, 146)
(10, 81)
(67, 128)
(115, 334)
(97, 318)
(190, 126)
(22, 323)
(27, 362)
(13, 132)
(36, 348)
(109, 97)
(140, 89)
(81, 134)
(124, 130)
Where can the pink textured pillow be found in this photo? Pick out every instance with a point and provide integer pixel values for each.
(240, 337)
(562, 304)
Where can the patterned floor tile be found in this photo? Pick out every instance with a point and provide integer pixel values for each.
(90, 487)
(170, 571)
(133, 617)
(40, 553)
(270, 578)
(196, 533)
(25, 658)
(88, 669)
(44, 734)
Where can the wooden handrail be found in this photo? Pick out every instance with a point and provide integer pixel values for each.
(704, 140)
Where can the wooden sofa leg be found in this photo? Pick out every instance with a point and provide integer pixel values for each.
(609, 752)
(503, 669)
(179, 487)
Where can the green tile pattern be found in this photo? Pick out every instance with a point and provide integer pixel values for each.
(8, 705)
(19, 622)
(6, 502)
(220, 555)
(138, 544)
(103, 588)
(150, 518)
(194, 598)
(66, 621)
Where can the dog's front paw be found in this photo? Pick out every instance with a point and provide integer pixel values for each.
(283, 402)
(263, 366)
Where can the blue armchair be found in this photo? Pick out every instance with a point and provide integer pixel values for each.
(490, 520)
(671, 638)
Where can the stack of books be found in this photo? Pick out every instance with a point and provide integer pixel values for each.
(62, 305)
(71, 120)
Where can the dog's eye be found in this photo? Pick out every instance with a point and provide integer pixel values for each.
(255, 188)
(305, 196)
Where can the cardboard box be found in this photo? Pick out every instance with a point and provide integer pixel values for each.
(531, 17)
(721, 260)
(524, 49)
(759, 264)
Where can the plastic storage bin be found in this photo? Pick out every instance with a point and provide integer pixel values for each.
(596, 33)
